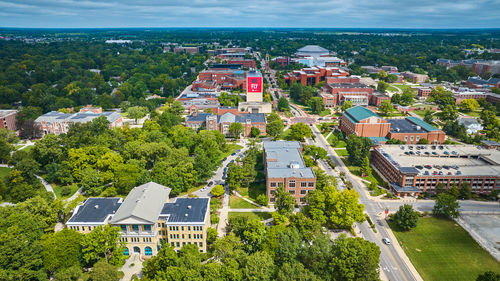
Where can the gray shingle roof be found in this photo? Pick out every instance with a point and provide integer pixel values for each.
(186, 210)
(289, 160)
(143, 204)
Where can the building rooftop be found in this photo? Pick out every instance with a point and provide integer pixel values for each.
(461, 160)
(347, 85)
(490, 142)
(143, 204)
(186, 210)
(407, 126)
(95, 210)
(284, 160)
(359, 113)
(5, 112)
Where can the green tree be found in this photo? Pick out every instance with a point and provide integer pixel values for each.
(284, 201)
(274, 128)
(299, 131)
(254, 132)
(315, 152)
(165, 259)
(446, 206)
(465, 190)
(423, 141)
(217, 190)
(235, 129)
(405, 218)
(488, 276)
(346, 105)
(365, 167)
(386, 107)
(259, 267)
(263, 200)
(61, 250)
(469, 105)
(103, 244)
(429, 116)
(391, 78)
(354, 259)
(137, 112)
(358, 149)
(283, 104)
(382, 86)
(316, 104)
(407, 97)
(104, 271)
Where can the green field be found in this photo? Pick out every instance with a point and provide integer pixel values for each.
(442, 250)
(340, 143)
(236, 202)
(58, 188)
(402, 87)
(250, 215)
(252, 192)
(355, 170)
(341, 152)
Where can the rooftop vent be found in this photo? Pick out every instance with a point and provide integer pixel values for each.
(189, 206)
(96, 206)
(185, 215)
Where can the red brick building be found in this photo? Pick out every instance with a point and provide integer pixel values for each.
(217, 79)
(246, 63)
(313, 75)
(424, 92)
(366, 123)
(285, 168)
(8, 119)
(337, 90)
(190, 50)
(411, 170)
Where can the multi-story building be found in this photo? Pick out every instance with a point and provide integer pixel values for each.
(8, 119)
(478, 66)
(312, 51)
(55, 122)
(222, 122)
(285, 168)
(415, 78)
(412, 169)
(190, 50)
(246, 63)
(217, 79)
(480, 83)
(147, 218)
(338, 90)
(365, 123)
(424, 92)
(313, 75)
(490, 97)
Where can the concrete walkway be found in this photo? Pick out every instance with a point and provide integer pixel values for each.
(132, 266)
(261, 210)
(47, 186)
(223, 214)
(73, 197)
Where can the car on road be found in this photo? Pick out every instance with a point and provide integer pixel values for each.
(210, 183)
(386, 241)
(233, 154)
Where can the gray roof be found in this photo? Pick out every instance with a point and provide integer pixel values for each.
(80, 117)
(143, 204)
(405, 126)
(186, 210)
(5, 112)
(289, 160)
(95, 210)
(490, 142)
(312, 49)
(199, 117)
(229, 117)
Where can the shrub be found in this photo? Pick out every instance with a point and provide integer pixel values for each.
(214, 218)
(262, 200)
(66, 190)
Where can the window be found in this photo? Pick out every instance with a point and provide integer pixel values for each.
(189, 228)
(272, 192)
(135, 227)
(280, 184)
(273, 184)
(406, 138)
(147, 227)
(302, 200)
(292, 191)
(310, 184)
(189, 236)
(178, 244)
(291, 184)
(411, 138)
(182, 236)
(148, 251)
(126, 253)
(172, 244)
(201, 244)
(303, 184)
(159, 224)
(303, 192)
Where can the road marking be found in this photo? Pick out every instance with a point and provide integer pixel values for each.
(392, 257)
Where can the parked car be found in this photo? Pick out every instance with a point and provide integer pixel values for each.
(386, 241)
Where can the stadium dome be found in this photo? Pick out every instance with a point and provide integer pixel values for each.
(312, 51)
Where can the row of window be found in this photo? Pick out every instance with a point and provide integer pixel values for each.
(77, 228)
(176, 228)
(137, 239)
(195, 236)
(291, 184)
(302, 192)
(178, 244)
(136, 227)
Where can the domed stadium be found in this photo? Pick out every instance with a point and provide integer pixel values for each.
(312, 51)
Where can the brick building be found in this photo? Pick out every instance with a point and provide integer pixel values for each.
(8, 119)
(490, 97)
(217, 79)
(246, 63)
(222, 122)
(366, 123)
(412, 169)
(285, 168)
(58, 123)
(424, 92)
(313, 75)
(190, 50)
(147, 217)
(338, 90)
(415, 78)
(480, 83)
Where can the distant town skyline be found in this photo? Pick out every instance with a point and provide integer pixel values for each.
(258, 13)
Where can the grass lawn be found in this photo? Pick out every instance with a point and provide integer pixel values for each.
(4, 172)
(472, 113)
(252, 192)
(284, 135)
(421, 113)
(355, 170)
(341, 152)
(250, 215)
(236, 202)
(392, 89)
(341, 144)
(441, 250)
(402, 87)
(58, 188)
(324, 112)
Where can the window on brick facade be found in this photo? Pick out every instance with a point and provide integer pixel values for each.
(280, 184)
(303, 192)
(273, 184)
(303, 184)
(310, 184)
(292, 191)
(291, 184)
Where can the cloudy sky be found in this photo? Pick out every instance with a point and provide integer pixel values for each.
(257, 13)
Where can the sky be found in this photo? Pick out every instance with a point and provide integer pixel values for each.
(257, 13)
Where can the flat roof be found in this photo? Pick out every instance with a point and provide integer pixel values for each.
(95, 210)
(469, 160)
(186, 210)
(289, 162)
(5, 112)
